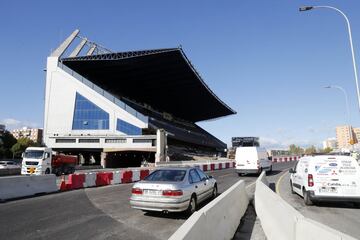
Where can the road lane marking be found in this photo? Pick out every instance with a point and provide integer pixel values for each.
(277, 188)
(225, 175)
(250, 184)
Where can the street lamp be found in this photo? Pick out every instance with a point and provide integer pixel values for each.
(347, 108)
(307, 8)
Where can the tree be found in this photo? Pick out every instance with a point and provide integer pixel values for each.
(326, 150)
(18, 148)
(295, 150)
(7, 140)
(310, 150)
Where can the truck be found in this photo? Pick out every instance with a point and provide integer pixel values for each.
(43, 160)
(252, 160)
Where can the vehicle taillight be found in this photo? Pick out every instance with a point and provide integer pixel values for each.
(310, 180)
(136, 191)
(258, 164)
(172, 193)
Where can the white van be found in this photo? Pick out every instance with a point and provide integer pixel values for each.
(252, 160)
(326, 178)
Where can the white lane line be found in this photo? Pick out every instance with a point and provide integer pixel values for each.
(249, 185)
(277, 188)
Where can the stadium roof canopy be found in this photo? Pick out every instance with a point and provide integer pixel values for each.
(162, 78)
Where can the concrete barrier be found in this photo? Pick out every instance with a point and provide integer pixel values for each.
(281, 221)
(23, 186)
(10, 171)
(219, 219)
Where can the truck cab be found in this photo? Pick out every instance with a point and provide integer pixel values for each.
(36, 161)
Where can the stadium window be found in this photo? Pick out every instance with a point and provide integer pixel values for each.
(89, 116)
(127, 128)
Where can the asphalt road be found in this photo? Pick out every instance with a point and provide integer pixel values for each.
(93, 213)
(344, 217)
(98, 213)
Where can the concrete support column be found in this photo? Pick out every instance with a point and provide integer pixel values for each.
(161, 142)
(103, 159)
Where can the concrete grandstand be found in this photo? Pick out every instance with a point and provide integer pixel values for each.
(110, 107)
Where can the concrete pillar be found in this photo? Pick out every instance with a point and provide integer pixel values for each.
(161, 149)
(103, 159)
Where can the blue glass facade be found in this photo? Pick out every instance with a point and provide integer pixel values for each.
(89, 116)
(127, 128)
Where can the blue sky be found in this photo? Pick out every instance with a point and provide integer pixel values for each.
(263, 58)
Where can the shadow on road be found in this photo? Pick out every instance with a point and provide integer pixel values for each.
(337, 205)
(273, 172)
(249, 227)
(176, 215)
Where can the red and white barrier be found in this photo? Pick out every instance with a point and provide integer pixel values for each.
(285, 159)
(116, 178)
(90, 179)
(96, 179)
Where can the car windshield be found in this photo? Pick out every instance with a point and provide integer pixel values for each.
(34, 154)
(167, 175)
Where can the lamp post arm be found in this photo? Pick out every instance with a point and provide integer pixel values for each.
(351, 46)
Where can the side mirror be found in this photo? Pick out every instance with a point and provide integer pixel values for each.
(270, 158)
(210, 176)
(291, 170)
(22, 155)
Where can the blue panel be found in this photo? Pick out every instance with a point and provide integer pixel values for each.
(127, 128)
(89, 116)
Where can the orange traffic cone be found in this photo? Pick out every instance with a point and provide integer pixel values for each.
(63, 184)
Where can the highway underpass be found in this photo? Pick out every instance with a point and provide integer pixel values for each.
(100, 213)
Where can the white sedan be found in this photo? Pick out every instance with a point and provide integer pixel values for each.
(173, 189)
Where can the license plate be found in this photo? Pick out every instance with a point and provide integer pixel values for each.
(152, 192)
(240, 165)
(328, 190)
(31, 170)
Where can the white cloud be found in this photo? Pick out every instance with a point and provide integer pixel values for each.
(271, 143)
(12, 123)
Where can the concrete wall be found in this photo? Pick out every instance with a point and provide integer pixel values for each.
(22, 186)
(280, 221)
(61, 88)
(217, 220)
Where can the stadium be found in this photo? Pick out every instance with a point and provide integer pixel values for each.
(119, 109)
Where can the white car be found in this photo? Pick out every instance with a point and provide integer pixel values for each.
(8, 165)
(174, 189)
(252, 160)
(326, 178)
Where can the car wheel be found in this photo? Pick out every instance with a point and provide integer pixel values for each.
(215, 192)
(292, 188)
(307, 199)
(192, 205)
(240, 174)
(47, 171)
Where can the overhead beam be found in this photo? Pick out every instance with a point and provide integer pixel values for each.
(62, 48)
(78, 48)
(91, 50)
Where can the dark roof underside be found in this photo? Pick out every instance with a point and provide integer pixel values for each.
(163, 79)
